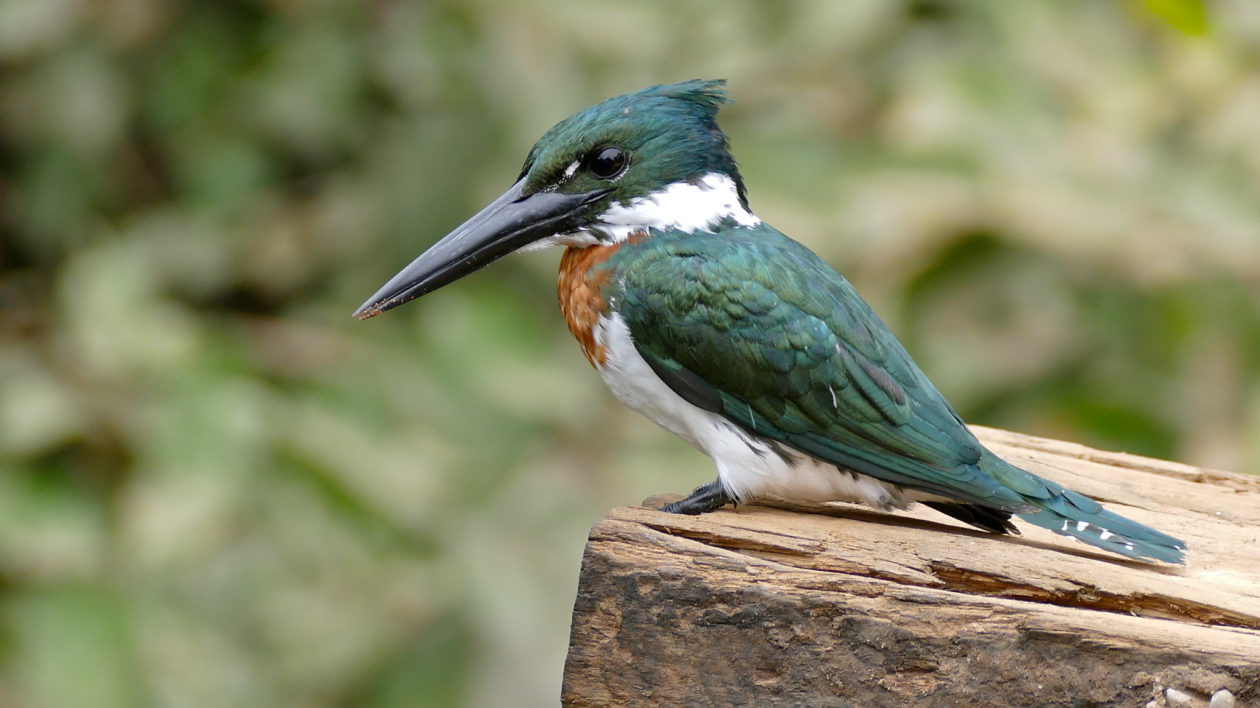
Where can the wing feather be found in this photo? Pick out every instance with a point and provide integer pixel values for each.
(756, 327)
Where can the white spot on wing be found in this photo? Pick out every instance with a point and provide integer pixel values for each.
(1082, 525)
(1105, 535)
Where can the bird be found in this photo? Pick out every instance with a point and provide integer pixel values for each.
(736, 338)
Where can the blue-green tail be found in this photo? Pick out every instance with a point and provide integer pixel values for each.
(1073, 514)
(1108, 531)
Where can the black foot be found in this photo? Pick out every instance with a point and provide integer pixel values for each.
(706, 497)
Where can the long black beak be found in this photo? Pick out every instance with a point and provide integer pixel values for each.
(506, 224)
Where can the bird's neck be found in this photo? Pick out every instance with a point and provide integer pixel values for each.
(699, 205)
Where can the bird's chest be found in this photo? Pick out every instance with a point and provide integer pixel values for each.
(631, 379)
(584, 277)
(587, 301)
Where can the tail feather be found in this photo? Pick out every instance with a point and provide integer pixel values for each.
(1105, 529)
(1073, 514)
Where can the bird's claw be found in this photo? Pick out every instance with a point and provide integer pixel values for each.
(704, 498)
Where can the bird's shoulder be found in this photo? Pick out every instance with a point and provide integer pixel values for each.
(753, 285)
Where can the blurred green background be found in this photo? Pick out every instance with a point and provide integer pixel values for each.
(216, 488)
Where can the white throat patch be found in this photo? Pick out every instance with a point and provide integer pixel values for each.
(685, 206)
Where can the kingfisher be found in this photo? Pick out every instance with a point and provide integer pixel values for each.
(734, 337)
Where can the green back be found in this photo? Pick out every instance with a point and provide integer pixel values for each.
(753, 326)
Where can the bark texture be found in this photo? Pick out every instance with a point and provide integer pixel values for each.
(844, 606)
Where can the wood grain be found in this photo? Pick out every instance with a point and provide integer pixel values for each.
(841, 605)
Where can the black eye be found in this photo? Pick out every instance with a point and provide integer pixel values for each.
(608, 162)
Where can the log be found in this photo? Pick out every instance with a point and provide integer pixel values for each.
(840, 605)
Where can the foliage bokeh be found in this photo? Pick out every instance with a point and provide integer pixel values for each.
(218, 489)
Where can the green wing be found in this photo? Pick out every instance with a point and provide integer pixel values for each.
(753, 326)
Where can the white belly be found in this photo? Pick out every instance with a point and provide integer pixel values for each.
(748, 468)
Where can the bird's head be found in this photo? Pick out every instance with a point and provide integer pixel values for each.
(654, 158)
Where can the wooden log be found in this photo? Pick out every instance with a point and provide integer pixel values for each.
(839, 605)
